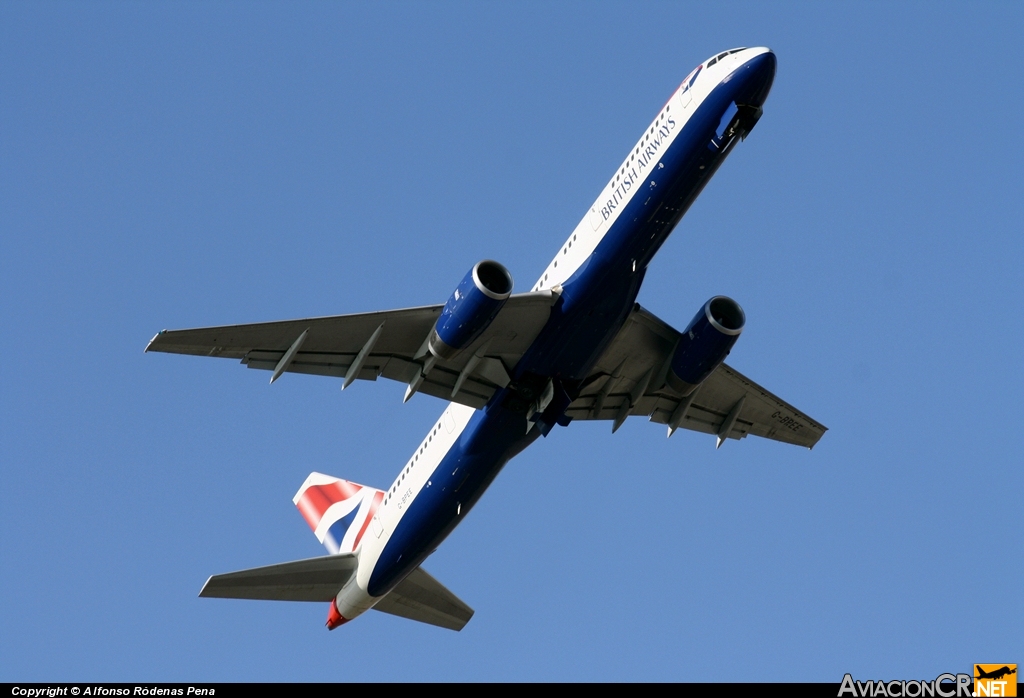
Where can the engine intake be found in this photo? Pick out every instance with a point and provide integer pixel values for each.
(705, 343)
(471, 309)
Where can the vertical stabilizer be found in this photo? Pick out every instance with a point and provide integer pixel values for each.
(338, 511)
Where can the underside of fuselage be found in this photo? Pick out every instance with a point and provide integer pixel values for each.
(592, 305)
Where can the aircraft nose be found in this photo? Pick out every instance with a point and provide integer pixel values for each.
(757, 75)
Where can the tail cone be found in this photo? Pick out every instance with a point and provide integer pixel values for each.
(334, 617)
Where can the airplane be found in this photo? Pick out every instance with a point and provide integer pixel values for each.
(577, 346)
(995, 674)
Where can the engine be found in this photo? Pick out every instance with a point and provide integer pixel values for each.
(705, 343)
(473, 306)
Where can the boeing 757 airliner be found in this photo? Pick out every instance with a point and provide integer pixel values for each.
(577, 346)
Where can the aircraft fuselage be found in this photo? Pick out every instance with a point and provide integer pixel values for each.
(595, 276)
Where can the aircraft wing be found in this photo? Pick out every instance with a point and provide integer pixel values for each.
(330, 346)
(629, 379)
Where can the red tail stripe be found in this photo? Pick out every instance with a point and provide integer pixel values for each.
(318, 498)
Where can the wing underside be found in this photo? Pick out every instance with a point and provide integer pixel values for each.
(629, 380)
(331, 346)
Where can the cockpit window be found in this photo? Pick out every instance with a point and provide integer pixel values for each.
(724, 54)
(689, 80)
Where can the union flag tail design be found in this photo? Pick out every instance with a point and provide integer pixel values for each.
(338, 511)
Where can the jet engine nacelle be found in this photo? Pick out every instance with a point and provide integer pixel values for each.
(473, 306)
(705, 343)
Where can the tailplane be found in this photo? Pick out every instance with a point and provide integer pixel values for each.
(422, 598)
(316, 579)
(340, 513)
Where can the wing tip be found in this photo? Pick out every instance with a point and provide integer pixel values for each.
(150, 342)
(468, 618)
(202, 592)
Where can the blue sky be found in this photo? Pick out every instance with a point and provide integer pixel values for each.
(178, 165)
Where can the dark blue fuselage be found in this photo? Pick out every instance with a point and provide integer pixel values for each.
(592, 306)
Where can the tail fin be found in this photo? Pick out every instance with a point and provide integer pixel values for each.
(338, 511)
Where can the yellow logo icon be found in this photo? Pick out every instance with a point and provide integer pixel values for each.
(995, 680)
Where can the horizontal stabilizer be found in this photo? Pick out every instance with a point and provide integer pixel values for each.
(315, 579)
(421, 597)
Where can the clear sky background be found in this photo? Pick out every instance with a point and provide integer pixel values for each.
(180, 164)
